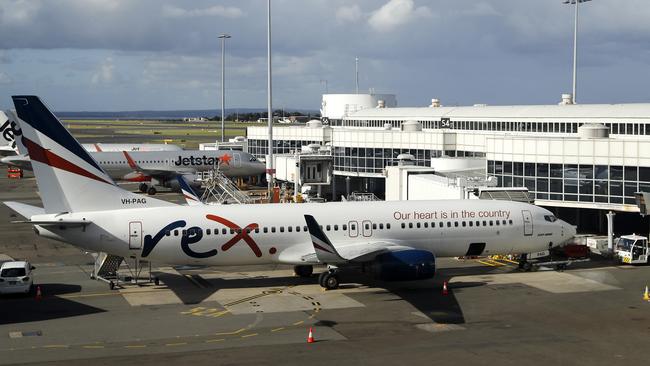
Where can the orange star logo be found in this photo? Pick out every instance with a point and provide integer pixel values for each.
(225, 159)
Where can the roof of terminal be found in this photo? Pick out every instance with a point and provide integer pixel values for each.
(615, 111)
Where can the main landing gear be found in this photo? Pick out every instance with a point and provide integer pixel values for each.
(144, 188)
(329, 279)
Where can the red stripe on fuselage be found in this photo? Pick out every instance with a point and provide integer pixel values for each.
(38, 153)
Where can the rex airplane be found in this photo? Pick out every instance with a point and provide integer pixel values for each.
(399, 240)
(159, 167)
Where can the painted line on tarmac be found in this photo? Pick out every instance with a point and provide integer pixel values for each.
(277, 329)
(176, 344)
(249, 335)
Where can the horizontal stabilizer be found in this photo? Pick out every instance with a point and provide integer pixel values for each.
(25, 210)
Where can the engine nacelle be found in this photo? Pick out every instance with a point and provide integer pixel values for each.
(405, 265)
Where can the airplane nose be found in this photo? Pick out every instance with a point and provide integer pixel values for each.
(568, 230)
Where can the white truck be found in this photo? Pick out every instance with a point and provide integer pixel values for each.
(632, 249)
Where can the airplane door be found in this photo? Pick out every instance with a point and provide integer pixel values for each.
(135, 235)
(353, 229)
(528, 222)
(366, 228)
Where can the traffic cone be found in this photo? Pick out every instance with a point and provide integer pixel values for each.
(39, 294)
(646, 295)
(310, 337)
(445, 292)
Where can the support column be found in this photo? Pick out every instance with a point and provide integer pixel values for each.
(347, 186)
(610, 231)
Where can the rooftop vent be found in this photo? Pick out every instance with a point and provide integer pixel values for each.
(314, 123)
(566, 99)
(381, 104)
(435, 103)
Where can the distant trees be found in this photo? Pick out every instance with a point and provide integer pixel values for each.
(254, 116)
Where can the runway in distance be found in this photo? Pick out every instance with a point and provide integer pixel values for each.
(397, 240)
(159, 167)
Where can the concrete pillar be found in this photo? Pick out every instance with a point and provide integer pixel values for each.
(610, 231)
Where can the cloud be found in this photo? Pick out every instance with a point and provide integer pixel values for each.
(18, 12)
(171, 11)
(349, 14)
(395, 13)
(104, 74)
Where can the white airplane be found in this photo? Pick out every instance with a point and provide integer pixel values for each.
(398, 240)
(9, 130)
(159, 167)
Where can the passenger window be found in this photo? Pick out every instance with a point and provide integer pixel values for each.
(345, 227)
(175, 232)
(281, 229)
(289, 228)
(232, 231)
(388, 226)
(257, 230)
(417, 225)
(410, 225)
(510, 222)
(455, 223)
(304, 228)
(167, 233)
(433, 224)
(497, 222)
(266, 230)
(491, 223)
(441, 224)
(207, 231)
(184, 232)
(248, 230)
(426, 225)
(471, 223)
(464, 224)
(224, 231)
(297, 229)
(403, 226)
(478, 223)
(353, 227)
(328, 227)
(448, 224)
(484, 223)
(272, 229)
(503, 222)
(374, 226)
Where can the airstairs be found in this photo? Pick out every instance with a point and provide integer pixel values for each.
(220, 189)
(107, 268)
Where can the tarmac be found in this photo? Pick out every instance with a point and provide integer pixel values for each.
(592, 313)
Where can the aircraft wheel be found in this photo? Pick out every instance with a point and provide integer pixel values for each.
(321, 278)
(151, 191)
(143, 187)
(331, 281)
(303, 271)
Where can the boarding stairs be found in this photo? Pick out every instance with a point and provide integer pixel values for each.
(220, 189)
(107, 268)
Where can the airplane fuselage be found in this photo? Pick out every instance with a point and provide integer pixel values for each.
(257, 234)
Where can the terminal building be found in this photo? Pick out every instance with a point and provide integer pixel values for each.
(581, 161)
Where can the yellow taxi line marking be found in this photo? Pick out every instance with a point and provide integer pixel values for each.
(175, 344)
(508, 260)
(216, 315)
(249, 335)
(299, 322)
(56, 346)
(215, 340)
(92, 347)
(231, 333)
(277, 329)
(136, 346)
(487, 264)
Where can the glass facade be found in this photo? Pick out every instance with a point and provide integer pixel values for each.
(620, 128)
(259, 148)
(613, 184)
(374, 160)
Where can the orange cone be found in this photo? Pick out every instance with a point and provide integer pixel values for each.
(444, 288)
(310, 337)
(39, 294)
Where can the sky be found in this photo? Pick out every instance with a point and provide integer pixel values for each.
(109, 55)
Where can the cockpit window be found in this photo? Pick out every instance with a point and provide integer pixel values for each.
(550, 218)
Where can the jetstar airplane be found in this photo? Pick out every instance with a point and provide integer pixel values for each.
(158, 167)
(398, 240)
(9, 129)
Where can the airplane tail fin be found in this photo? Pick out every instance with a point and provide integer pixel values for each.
(191, 196)
(68, 178)
(9, 130)
(16, 133)
(325, 251)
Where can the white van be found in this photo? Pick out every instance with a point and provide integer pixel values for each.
(16, 277)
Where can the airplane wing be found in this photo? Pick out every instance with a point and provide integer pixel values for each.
(325, 252)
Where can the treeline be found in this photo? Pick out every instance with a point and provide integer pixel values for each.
(254, 116)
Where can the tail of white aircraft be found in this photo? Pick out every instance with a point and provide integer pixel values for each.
(68, 178)
(191, 197)
(8, 131)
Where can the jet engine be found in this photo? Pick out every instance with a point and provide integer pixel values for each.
(405, 265)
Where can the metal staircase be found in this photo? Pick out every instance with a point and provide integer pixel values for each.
(220, 189)
(106, 266)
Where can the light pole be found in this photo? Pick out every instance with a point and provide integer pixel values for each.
(223, 38)
(269, 164)
(575, 45)
(356, 74)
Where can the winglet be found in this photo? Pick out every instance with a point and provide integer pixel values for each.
(189, 193)
(325, 251)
